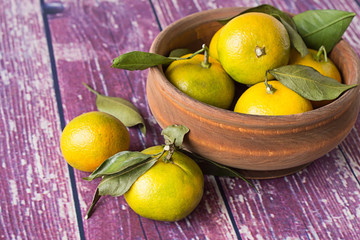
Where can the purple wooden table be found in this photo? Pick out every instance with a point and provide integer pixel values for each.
(48, 49)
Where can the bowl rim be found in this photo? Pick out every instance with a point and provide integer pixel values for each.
(315, 116)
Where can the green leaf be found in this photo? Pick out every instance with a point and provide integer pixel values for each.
(264, 8)
(209, 167)
(322, 27)
(137, 60)
(271, 10)
(174, 134)
(96, 198)
(120, 108)
(118, 184)
(179, 52)
(118, 163)
(295, 38)
(309, 83)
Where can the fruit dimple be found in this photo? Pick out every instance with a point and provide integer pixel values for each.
(260, 51)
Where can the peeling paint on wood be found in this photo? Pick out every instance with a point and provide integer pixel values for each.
(36, 201)
(35, 195)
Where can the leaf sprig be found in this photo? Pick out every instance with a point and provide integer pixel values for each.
(138, 60)
(118, 174)
(314, 29)
(120, 171)
(309, 83)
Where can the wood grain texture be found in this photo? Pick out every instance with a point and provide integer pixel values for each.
(35, 195)
(86, 37)
(36, 202)
(313, 204)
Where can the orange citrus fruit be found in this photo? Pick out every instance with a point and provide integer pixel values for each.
(257, 100)
(89, 139)
(326, 68)
(251, 44)
(167, 191)
(211, 85)
(213, 45)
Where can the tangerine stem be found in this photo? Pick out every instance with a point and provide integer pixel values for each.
(206, 63)
(321, 52)
(189, 57)
(90, 89)
(170, 151)
(269, 88)
(260, 51)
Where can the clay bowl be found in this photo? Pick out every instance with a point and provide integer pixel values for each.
(260, 146)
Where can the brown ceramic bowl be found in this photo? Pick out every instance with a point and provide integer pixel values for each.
(261, 146)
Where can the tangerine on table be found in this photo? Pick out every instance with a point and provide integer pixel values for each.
(168, 191)
(251, 44)
(89, 139)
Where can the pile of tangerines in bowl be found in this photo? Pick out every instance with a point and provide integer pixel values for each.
(247, 49)
(259, 89)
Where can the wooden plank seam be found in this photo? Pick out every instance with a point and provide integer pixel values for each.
(348, 162)
(45, 11)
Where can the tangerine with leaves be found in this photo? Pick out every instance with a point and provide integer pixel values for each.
(90, 138)
(170, 190)
(317, 60)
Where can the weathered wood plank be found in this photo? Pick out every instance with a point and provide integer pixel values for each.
(350, 147)
(320, 202)
(35, 195)
(86, 37)
(89, 59)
